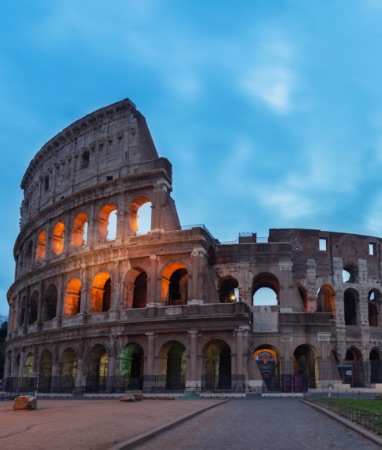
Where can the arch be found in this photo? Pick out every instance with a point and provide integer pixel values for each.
(100, 293)
(355, 376)
(173, 365)
(174, 284)
(72, 299)
(351, 298)
(374, 298)
(217, 365)
(33, 308)
(135, 289)
(375, 366)
(50, 303)
(96, 368)
(28, 366)
(28, 254)
(131, 366)
(140, 219)
(326, 299)
(45, 371)
(79, 230)
(140, 291)
(228, 290)
(41, 246)
(267, 360)
(304, 367)
(23, 305)
(58, 238)
(68, 363)
(265, 289)
(107, 229)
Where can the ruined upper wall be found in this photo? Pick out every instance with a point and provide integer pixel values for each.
(110, 143)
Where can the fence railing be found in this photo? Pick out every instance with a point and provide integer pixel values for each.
(365, 418)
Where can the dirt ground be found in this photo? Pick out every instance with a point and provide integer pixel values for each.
(87, 424)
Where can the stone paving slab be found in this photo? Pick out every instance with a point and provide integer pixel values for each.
(88, 424)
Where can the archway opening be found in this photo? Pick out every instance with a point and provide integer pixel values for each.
(374, 298)
(96, 369)
(229, 290)
(41, 246)
(173, 369)
(375, 367)
(265, 290)
(131, 366)
(100, 293)
(45, 371)
(58, 236)
(79, 230)
(140, 291)
(267, 361)
(326, 300)
(50, 303)
(350, 306)
(304, 368)
(140, 215)
(72, 300)
(354, 376)
(68, 370)
(33, 308)
(217, 365)
(107, 222)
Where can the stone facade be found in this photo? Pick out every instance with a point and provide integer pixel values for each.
(93, 308)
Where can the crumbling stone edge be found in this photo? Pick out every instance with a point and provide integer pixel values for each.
(141, 438)
(348, 423)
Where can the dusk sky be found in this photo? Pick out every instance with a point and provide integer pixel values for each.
(270, 111)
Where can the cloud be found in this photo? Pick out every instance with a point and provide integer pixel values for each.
(269, 75)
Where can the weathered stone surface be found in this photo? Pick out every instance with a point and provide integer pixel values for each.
(24, 402)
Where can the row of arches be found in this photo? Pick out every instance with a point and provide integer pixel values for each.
(84, 230)
(307, 365)
(174, 292)
(130, 370)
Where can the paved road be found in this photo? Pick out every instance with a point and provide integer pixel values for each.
(269, 424)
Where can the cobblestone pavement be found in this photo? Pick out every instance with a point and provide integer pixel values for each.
(269, 424)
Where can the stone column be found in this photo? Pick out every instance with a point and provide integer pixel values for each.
(239, 358)
(149, 366)
(80, 381)
(152, 282)
(192, 382)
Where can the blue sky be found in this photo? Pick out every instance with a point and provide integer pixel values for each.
(270, 111)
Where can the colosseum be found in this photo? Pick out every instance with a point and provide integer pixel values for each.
(99, 306)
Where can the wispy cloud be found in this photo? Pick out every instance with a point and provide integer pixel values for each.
(269, 76)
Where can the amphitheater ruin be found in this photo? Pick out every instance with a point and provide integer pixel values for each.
(99, 306)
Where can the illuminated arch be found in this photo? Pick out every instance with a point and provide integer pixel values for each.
(174, 284)
(79, 230)
(72, 299)
(41, 246)
(326, 299)
(58, 236)
(100, 293)
(140, 224)
(104, 227)
(228, 290)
